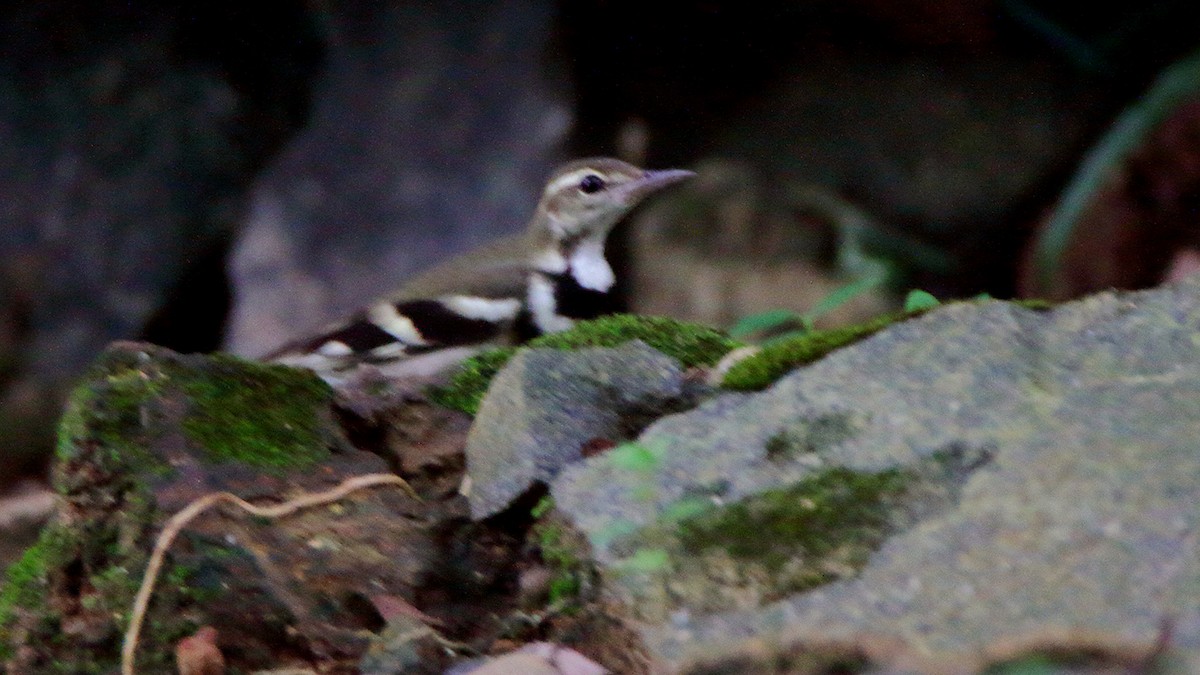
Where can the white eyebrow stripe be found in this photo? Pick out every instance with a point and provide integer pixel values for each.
(573, 179)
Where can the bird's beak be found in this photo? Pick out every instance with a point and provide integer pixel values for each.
(652, 181)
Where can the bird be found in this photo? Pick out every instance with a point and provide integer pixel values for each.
(540, 281)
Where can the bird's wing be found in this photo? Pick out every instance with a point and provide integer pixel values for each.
(471, 299)
(498, 270)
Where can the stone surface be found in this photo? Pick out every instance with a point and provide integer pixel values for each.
(432, 131)
(1076, 517)
(546, 405)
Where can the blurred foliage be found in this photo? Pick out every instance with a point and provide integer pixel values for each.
(1178, 84)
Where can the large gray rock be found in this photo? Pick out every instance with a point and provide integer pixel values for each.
(1021, 473)
(547, 405)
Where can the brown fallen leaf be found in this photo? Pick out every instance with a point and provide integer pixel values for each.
(390, 606)
(199, 654)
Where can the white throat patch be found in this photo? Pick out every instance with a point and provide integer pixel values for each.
(589, 266)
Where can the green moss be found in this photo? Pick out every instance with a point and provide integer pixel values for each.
(645, 560)
(470, 382)
(26, 583)
(810, 436)
(1080, 658)
(117, 585)
(1032, 664)
(837, 511)
(779, 357)
(266, 416)
(690, 344)
(115, 420)
(1036, 304)
(636, 458)
(783, 355)
(107, 416)
(563, 561)
(709, 555)
(545, 505)
(262, 415)
(562, 550)
(560, 553)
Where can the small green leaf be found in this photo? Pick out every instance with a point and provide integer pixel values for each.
(686, 508)
(842, 295)
(542, 507)
(646, 560)
(763, 321)
(919, 301)
(634, 457)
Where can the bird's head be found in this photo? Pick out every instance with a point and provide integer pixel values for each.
(584, 199)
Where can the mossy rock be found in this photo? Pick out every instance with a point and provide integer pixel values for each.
(756, 549)
(690, 344)
(266, 416)
(138, 415)
(707, 552)
(782, 355)
(835, 510)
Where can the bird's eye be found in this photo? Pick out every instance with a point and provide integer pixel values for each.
(591, 183)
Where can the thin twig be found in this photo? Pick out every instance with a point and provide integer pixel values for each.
(178, 521)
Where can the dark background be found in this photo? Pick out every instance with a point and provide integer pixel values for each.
(232, 174)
